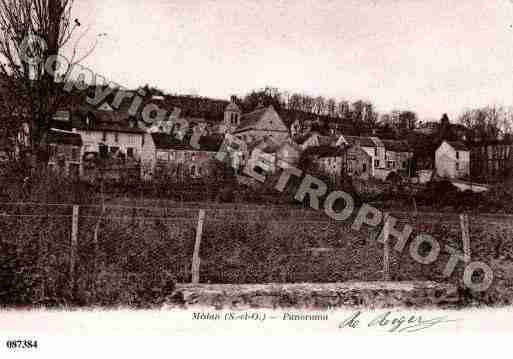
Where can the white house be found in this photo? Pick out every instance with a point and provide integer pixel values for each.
(109, 132)
(386, 156)
(452, 160)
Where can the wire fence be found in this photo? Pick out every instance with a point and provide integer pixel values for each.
(118, 252)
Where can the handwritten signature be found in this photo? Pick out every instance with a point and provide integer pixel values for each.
(394, 323)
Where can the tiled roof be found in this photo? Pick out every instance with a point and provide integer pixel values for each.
(115, 121)
(249, 120)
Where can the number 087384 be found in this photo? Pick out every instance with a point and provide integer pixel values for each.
(21, 344)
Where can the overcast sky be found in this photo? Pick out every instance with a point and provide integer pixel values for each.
(429, 56)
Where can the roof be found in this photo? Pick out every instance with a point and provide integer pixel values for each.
(323, 140)
(325, 151)
(64, 138)
(165, 141)
(249, 120)
(115, 121)
(232, 106)
(458, 145)
(362, 141)
(397, 146)
(266, 145)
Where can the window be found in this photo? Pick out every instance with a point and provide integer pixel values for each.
(364, 167)
(457, 166)
(376, 163)
(390, 164)
(116, 136)
(376, 152)
(457, 155)
(104, 136)
(404, 164)
(130, 152)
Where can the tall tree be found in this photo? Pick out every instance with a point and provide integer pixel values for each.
(32, 33)
(486, 123)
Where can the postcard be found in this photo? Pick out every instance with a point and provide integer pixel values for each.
(174, 169)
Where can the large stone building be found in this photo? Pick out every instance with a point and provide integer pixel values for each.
(262, 123)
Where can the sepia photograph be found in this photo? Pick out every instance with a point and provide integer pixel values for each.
(207, 167)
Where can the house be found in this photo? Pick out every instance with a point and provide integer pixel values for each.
(289, 152)
(109, 132)
(332, 161)
(491, 161)
(270, 154)
(315, 139)
(381, 157)
(452, 160)
(263, 151)
(172, 157)
(261, 123)
(65, 153)
(398, 157)
(358, 162)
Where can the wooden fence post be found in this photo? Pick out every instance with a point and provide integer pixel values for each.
(465, 236)
(74, 241)
(195, 256)
(386, 249)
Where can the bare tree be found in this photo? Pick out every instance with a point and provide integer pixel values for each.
(486, 123)
(32, 33)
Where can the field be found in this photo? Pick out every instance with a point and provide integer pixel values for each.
(142, 245)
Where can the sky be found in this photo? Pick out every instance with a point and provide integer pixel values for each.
(430, 56)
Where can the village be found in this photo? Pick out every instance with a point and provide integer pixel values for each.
(286, 176)
(106, 142)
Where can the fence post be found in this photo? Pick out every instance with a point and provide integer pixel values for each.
(386, 250)
(74, 241)
(195, 256)
(465, 236)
